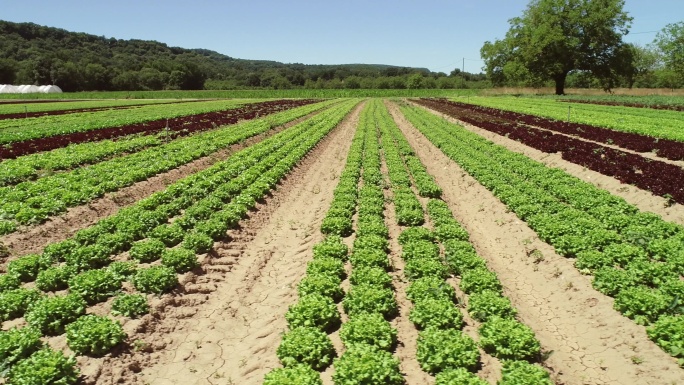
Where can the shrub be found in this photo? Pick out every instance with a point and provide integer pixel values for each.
(58, 251)
(590, 260)
(667, 333)
(332, 247)
(17, 344)
(123, 270)
(420, 250)
(198, 242)
(51, 314)
(306, 345)
(327, 266)
(438, 350)
(26, 268)
(370, 299)
(294, 375)
(478, 280)
(369, 329)
(611, 281)
(94, 285)
(425, 267)
(369, 257)
(523, 373)
(430, 287)
(438, 313)
(366, 364)
(461, 257)
(94, 335)
(508, 339)
(371, 242)
(171, 235)
(55, 278)
(55, 368)
(181, 260)
(323, 284)
(376, 228)
(370, 275)
(14, 303)
(155, 279)
(458, 376)
(642, 304)
(487, 304)
(130, 305)
(148, 250)
(88, 257)
(341, 226)
(9, 282)
(313, 310)
(413, 234)
(449, 232)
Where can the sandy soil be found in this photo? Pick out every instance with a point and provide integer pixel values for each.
(588, 342)
(33, 239)
(642, 199)
(228, 325)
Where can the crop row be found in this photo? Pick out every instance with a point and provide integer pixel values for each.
(35, 201)
(656, 102)
(660, 178)
(443, 349)
(14, 111)
(211, 202)
(75, 154)
(21, 107)
(170, 128)
(34, 166)
(18, 130)
(367, 336)
(644, 121)
(635, 257)
(669, 149)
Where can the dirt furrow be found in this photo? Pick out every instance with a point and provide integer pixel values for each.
(232, 333)
(588, 342)
(642, 199)
(34, 238)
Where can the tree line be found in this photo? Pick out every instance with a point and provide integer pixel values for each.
(34, 54)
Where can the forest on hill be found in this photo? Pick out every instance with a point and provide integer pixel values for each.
(35, 54)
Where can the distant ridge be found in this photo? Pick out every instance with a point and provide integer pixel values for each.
(75, 61)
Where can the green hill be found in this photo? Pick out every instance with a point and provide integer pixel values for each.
(34, 54)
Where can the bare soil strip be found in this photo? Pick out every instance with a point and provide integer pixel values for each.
(33, 239)
(589, 342)
(642, 199)
(227, 329)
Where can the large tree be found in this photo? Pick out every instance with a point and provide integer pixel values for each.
(554, 37)
(670, 41)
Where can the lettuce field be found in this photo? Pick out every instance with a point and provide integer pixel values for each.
(342, 241)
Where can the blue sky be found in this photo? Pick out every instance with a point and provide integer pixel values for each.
(436, 34)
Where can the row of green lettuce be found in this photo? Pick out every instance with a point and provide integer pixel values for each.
(28, 107)
(16, 130)
(635, 257)
(73, 274)
(442, 348)
(367, 336)
(35, 201)
(655, 123)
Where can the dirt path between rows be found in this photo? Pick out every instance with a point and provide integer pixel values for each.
(33, 239)
(642, 199)
(230, 335)
(589, 342)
